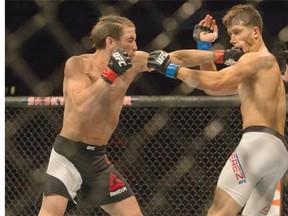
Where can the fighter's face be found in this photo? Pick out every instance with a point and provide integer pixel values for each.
(242, 37)
(128, 41)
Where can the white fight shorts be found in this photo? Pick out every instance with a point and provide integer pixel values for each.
(251, 173)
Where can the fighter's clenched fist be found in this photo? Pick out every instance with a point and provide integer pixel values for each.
(118, 64)
(160, 61)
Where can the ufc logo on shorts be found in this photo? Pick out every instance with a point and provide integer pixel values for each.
(162, 57)
(119, 58)
(91, 148)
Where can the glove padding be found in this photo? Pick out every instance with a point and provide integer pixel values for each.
(198, 30)
(160, 61)
(227, 57)
(118, 64)
(204, 43)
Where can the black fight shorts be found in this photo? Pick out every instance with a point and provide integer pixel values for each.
(83, 174)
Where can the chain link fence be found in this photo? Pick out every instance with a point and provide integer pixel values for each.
(170, 149)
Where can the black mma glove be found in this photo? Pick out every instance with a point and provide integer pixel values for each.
(227, 57)
(203, 45)
(118, 64)
(160, 61)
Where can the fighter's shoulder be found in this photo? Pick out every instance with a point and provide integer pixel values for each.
(77, 63)
(258, 58)
(78, 59)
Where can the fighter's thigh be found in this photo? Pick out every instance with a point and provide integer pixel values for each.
(53, 205)
(259, 200)
(262, 195)
(233, 179)
(124, 207)
(106, 187)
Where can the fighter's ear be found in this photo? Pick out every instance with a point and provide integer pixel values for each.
(256, 32)
(109, 42)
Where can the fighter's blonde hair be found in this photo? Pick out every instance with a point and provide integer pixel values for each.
(244, 14)
(110, 25)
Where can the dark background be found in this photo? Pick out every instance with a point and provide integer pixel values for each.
(41, 35)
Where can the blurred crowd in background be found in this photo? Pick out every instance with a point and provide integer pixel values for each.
(41, 35)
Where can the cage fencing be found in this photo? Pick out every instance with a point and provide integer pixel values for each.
(170, 149)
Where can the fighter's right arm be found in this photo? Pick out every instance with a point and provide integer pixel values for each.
(191, 57)
(79, 89)
(223, 82)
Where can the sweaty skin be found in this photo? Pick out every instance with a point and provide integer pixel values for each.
(256, 78)
(89, 116)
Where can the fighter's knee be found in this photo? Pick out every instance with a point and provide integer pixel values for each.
(53, 205)
(212, 211)
(51, 212)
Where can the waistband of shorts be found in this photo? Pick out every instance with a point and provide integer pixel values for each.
(268, 130)
(64, 144)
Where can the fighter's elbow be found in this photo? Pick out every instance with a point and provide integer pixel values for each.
(215, 87)
(219, 89)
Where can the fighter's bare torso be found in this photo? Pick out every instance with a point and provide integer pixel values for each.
(94, 120)
(264, 85)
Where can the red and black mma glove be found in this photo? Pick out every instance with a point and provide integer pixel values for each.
(160, 61)
(227, 57)
(118, 64)
(202, 45)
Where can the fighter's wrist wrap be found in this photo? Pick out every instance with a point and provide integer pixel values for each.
(219, 56)
(171, 70)
(109, 75)
(204, 45)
